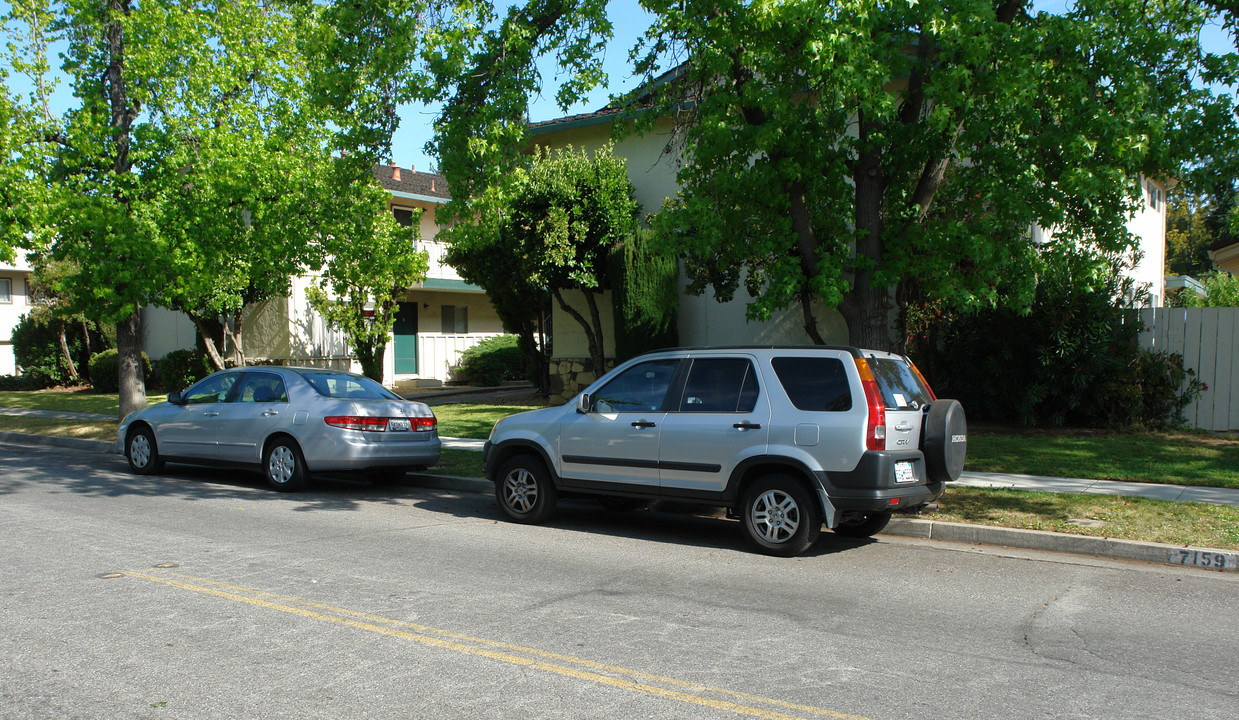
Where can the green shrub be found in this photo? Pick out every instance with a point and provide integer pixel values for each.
(103, 371)
(491, 361)
(36, 349)
(1071, 359)
(181, 368)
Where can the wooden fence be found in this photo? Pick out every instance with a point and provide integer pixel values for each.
(1208, 340)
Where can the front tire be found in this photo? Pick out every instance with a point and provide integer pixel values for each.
(525, 491)
(780, 517)
(142, 452)
(284, 466)
(867, 526)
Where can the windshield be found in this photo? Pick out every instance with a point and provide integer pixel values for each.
(333, 384)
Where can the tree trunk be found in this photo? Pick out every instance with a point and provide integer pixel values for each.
(208, 342)
(866, 307)
(593, 339)
(238, 350)
(130, 381)
(64, 350)
(84, 357)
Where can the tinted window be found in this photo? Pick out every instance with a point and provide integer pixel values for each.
(901, 387)
(720, 385)
(343, 385)
(640, 388)
(211, 390)
(814, 383)
(262, 388)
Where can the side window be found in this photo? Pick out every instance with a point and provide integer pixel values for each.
(720, 385)
(640, 388)
(262, 388)
(814, 383)
(212, 390)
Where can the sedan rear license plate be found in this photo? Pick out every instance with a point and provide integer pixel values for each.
(904, 472)
(398, 424)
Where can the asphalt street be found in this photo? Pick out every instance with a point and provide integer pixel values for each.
(201, 594)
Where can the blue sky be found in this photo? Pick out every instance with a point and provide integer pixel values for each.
(629, 22)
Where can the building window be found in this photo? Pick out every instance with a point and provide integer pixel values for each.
(6, 290)
(404, 216)
(1155, 196)
(455, 320)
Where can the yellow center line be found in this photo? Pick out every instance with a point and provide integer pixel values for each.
(503, 652)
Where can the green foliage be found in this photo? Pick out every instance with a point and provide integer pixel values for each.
(549, 228)
(1071, 359)
(371, 261)
(492, 361)
(645, 296)
(837, 150)
(181, 368)
(103, 370)
(1190, 230)
(36, 349)
(1221, 290)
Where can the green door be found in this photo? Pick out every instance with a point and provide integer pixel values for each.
(405, 346)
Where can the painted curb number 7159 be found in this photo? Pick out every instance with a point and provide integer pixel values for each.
(1202, 559)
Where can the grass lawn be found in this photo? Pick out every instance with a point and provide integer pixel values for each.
(1110, 516)
(1171, 458)
(83, 400)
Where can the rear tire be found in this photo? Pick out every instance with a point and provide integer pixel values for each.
(525, 491)
(142, 451)
(284, 466)
(780, 517)
(868, 526)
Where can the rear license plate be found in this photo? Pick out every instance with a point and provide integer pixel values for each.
(904, 472)
(398, 424)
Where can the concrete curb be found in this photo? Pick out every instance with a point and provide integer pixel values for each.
(1206, 558)
(99, 446)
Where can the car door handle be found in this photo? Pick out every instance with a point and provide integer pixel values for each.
(644, 424)
(747, 426)
(210, 414)
(903, 427)
(269, 413)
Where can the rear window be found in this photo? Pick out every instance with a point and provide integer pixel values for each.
(816, 384)
(346, 386)
(902, 388)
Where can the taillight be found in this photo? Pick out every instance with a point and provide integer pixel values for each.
(381, 424)
(875, 427)
(355, 422)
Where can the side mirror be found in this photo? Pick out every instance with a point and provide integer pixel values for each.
(175, 398)
(583, 402)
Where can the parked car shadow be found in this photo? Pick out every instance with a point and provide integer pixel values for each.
(109, 476)
(665, 522)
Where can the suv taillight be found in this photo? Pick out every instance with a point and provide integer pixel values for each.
(875, 427)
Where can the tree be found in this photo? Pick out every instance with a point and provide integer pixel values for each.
(1221, 290)
(1189, 231)
(191, 172)
(565, 212)
(370, 262)
(868, 155)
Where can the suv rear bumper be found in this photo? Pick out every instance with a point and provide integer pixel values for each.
(872, 485)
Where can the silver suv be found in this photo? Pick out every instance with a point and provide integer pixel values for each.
(787, 438)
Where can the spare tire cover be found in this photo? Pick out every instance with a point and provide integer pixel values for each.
(945, 440)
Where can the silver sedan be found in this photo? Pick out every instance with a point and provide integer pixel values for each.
(289, 422)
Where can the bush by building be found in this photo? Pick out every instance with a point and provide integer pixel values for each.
(491, 362)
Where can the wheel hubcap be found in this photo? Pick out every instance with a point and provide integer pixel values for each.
(140, 451)
(281, 465)
(775, 516)
(520, 490)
